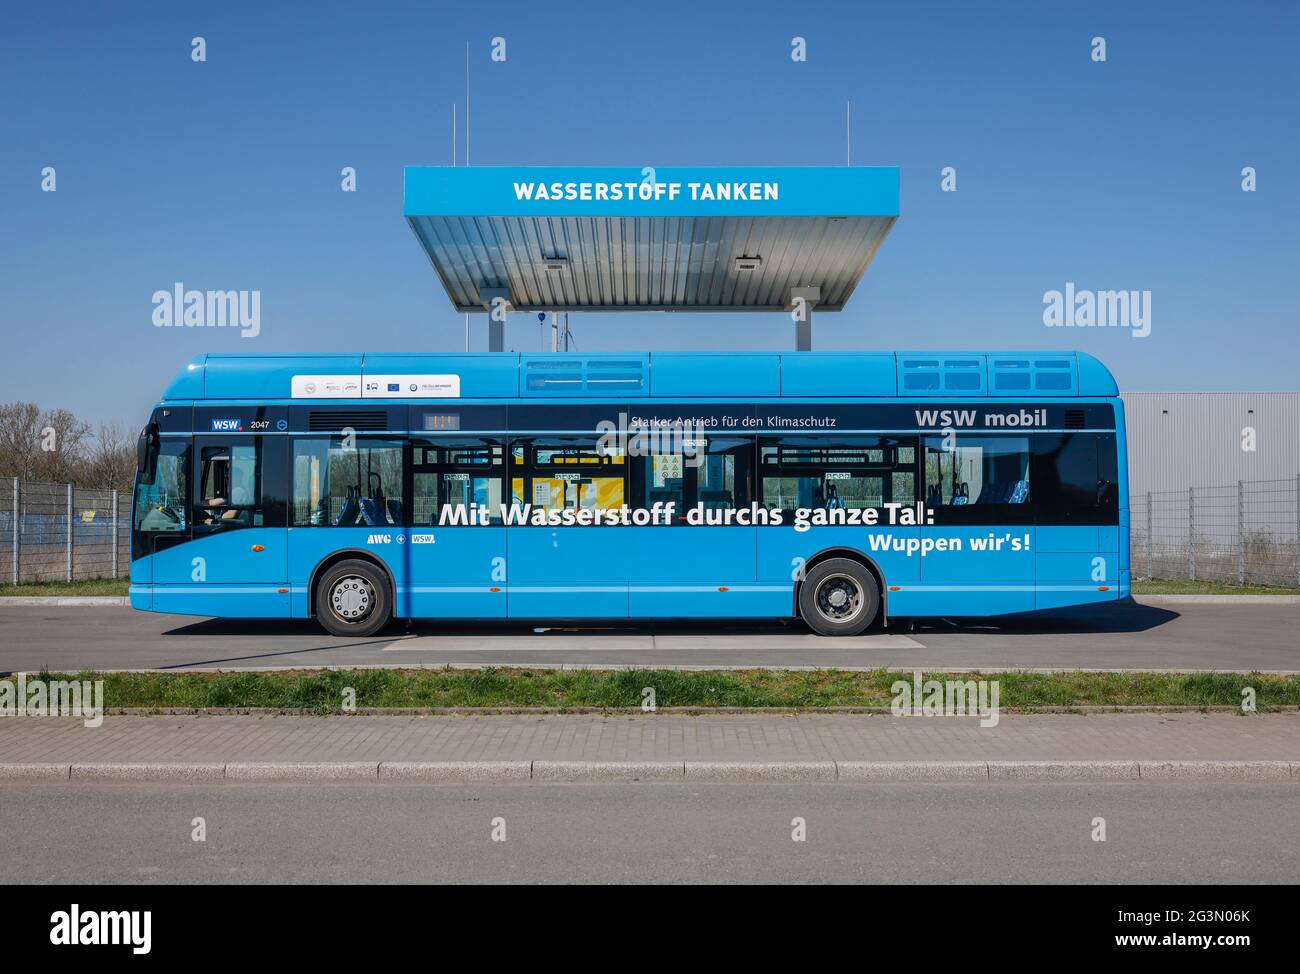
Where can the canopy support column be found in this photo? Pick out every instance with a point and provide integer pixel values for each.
(802, 302)
(496, 301)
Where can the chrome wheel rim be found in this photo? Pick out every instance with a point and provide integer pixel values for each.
(352, 598)
(839, 598)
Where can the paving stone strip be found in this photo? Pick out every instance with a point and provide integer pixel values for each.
(765, 747)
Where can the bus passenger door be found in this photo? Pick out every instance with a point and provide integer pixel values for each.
(978, 487)
(347, 498)
(702, 569)
(568, 571)
(456, 548)
(236, 565)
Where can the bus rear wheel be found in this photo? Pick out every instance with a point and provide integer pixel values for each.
(353, 599)
(839, 597)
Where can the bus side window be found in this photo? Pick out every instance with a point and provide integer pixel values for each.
(557, 472)
(347, 482)
(709, 471)
(830, 472)
(450, 476)
(979, 471)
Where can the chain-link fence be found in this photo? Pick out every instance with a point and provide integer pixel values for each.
(1244, 534)
(58, 532)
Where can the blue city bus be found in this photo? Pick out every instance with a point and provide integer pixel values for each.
(845, 489)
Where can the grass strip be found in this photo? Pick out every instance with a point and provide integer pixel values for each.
(1177, 586)
(325, 691)
(84, 588)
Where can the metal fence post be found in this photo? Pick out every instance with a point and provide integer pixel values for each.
(18, 529)
(1150, 539)
(1191, 533)
(69, 538)
(114, 530)
(1241, 533)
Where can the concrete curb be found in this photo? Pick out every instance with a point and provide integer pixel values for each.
(1064, 770)
(299, 771)
(65, 600)
(34, 772)
(453, 771)
(608, 770)
(152, 771)
(1228, 770)
(793, 771)
(912, 771)
(486, 772)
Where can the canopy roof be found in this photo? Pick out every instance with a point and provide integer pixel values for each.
(582, 239)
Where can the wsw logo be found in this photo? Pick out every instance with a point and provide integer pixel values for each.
(227, 425)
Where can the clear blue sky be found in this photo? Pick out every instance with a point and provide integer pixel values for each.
(225, 174)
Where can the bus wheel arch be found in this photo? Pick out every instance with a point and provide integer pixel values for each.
(852, 554)
(382, 590)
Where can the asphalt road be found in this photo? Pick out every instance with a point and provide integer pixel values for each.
(1189, 636)
(651, 833)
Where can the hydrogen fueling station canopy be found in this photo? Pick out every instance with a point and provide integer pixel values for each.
(622, 239)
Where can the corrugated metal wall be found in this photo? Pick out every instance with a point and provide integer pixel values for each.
(1178, 440)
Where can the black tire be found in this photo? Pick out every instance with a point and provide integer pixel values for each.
(839, 597)
(353, 598)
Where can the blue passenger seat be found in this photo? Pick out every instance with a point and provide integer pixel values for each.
(349, 512)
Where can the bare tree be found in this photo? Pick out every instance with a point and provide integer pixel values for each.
(20, 443)
(62, 442)
(110, 459)
(56, 447)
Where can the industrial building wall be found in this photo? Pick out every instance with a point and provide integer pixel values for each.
(1178, 440)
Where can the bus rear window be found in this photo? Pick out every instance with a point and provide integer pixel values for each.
(1078, 474)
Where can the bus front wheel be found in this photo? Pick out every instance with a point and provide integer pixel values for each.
(353, 599)
(839, 597)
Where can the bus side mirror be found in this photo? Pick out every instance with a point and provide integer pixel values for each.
(146, 453)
